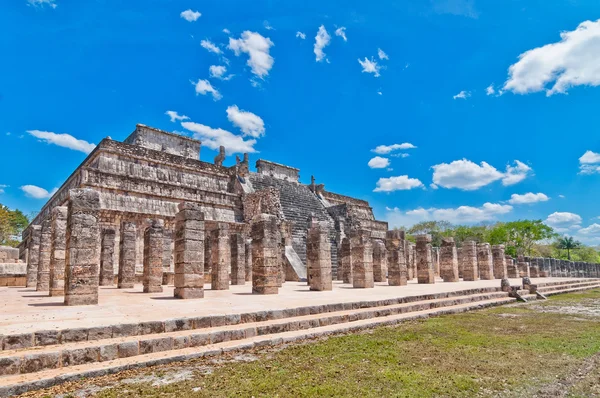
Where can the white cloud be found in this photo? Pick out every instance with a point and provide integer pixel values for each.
(226, 31)
(458, 215)
(370, 66)
(469, 176)
(589, 163)
(301, 35)
(381, 54)
(563, 220)
(561, 196)
(257, 47)
(204, 87)
(248, 122)
(218, 72)
(36, 192)
(462, 95)
(399, 183)
(2, 187)
(490, 90)
(42, 3)
(399, 155)
(176, 116)
(433, 186)
(210, 46)
(385, 149)
(341, 32)
(573, 61)
(214, 138)
(591, 230)
(379, 163)
(267, 25)
(516, 199)
(322, 40)
(63, 140)
(379, 92)
(190, 15)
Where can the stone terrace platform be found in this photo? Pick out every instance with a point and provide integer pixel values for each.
(23, 310)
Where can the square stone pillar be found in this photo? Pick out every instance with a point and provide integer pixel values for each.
(265, 254)
(248, 254)
(83, 248)
(107, 257)
(220, 257)
(285, 230)
(207, 255)
(189, 252)
(153, 257)
(412, 261)
(167, 257)
(58, 251)
(534, 268)
(34, 255)
(43, 274)
(435, 257)
(511, 268)
(127, 255)
(469, 261)
(523, 267)
(499, 261)
(238, 259)
(318, 257)
(425, 271)
(397, 272)
(362, 260)
(448, 261)
(380, 264)
(459, 256)
(346, 260)
(485, 261)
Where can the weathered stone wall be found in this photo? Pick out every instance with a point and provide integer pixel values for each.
(448, 261)
(499, 260)
(265, 254)
(469, 261)
(189, 252)
(159, 140)
(397, 272)
(380, 264)
(362, 260)
(277, 170)
(318, 257)
(425, 271)
(485, 263)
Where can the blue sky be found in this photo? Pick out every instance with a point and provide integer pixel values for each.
(474, 131)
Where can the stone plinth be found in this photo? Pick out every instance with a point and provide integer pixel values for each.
(34, 255)
(485, 262)
(534, 268)
(127, 256)
(248, 254)
(318, 257)
(469, 261)
(499, 260)
(83, 248)
(153, 257)
(220, 257)
(397, 272)
(58, 251)
(362, 260)
(238, 259)
(380, 265)
(189, 252)
(43, 275)
(448, 261)
(425, 271)
(511, 268)
(345, 260)
(523, 268)
(265, 254)
(107, 257)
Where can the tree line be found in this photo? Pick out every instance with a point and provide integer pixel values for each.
(12, 223)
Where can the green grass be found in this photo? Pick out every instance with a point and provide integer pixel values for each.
(509, 351)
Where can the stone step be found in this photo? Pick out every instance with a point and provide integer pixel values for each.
(546, 288)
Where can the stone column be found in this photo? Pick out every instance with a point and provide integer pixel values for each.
(485, 263)
(265, 257)
(153, 257)
(127, 256)
(459, 256)
(43, 275)
(248, 254)
(408, 258)
(511, 268)
(413, 259)
(425, 271)
(238, 259)
(189, 252)
(83, 248)
(220, 257)
(346, 260)
(397, 272)
(380, 266)
(448, 261)
(534, 268)
(523, 267)
(167, 257)
(469, 261)
(207, 255)
(362, 260)
(499, 260)
(435, 257)
(318, 257)
(107, 257)
(58, 251)
(34, 255)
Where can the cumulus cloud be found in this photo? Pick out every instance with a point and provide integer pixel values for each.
(379, 163)
(204, 87)
(381, 54)
(589, 163)
(301, 35)
(322, 40)
(563, 220)
(190, 16)
(210, 46)
(459, 215)
(42, 3)
(257, 47)
(573, 61)
(385, 149)
(469, 176)
(462, 95)
(36, 192)
(399, 183)
(341, 32)
(490, 90)
(63, 140)
(214, 138)
(176, 116)
(248, 122)
(591, 230)
(226, 31)
(370, 66)
(218, 72)
(530, 197)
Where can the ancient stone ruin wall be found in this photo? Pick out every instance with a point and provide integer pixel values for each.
(159, 140)
(277, 170)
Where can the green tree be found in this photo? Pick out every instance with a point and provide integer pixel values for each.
(523, 234)
(567, 243)
(435, 228)
(12, 223)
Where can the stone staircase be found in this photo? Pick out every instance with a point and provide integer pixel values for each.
(298, 203)
(45, 358)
